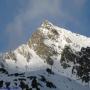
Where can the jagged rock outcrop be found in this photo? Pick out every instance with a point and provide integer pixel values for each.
(80, 60)
(37, 41)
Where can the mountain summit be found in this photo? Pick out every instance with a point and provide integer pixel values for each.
(53, 59)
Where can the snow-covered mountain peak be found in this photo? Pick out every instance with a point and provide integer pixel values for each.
(55, 34)
(48, 41)
(52, 59)
(46, 24)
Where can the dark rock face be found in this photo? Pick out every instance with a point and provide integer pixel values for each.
(50, 61)
(49, 71)
(1, 84)
(35, 84)
(81, 62)
(43, 79)
(36, 42)
(27, 83)
(16, 74)
(83, 67)
(10, 55)
(67, 56)
(2, 70)
(24, 86)
(7, 84)
(50, 84)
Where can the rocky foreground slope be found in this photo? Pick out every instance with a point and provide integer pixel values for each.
(53, 59)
